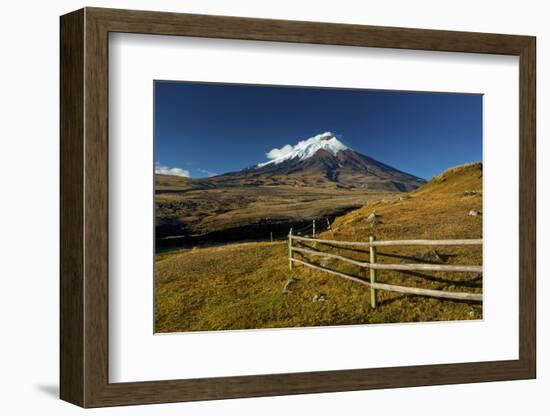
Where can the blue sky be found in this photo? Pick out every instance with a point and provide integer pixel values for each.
(203, 129)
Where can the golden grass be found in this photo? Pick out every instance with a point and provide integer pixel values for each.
(239, 286)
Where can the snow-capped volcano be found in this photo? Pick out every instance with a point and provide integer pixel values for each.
(320, 162)
(305, 149)
(323, 160)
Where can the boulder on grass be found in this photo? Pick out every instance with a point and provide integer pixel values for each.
(430, 255)
(373, 219)
(325, 261)
(319, 297)
(289, 284)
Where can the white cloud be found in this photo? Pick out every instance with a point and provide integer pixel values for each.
(165, 170)
(209, 173)
(277, 153)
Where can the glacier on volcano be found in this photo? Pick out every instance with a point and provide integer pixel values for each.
(305, 149)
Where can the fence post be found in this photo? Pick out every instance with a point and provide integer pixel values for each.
(271, 235)
(313, 228)
(290, 249)
(372, 272)
(329, 227)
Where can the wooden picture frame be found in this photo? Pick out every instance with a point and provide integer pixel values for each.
(84, 207)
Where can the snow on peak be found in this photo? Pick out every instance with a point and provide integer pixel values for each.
(305, 149)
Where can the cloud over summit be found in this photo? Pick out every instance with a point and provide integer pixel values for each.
(277, 153)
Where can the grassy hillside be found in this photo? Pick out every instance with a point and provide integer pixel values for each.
(459, 179)
(239, 286)
(438, 210)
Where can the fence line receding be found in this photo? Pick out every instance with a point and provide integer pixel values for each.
(372, 264)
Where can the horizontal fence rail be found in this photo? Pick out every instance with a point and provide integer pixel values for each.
(373, 265)
(395, 288)
(329, 255)
(380, 266)
(469, 242)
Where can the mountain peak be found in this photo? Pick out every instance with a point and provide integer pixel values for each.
(305, 149)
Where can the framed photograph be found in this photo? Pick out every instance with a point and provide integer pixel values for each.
(255, 207)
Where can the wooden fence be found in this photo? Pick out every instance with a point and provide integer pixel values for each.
(372, 265)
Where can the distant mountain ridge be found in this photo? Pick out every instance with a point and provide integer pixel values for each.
(323, 159)
(320, 161)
